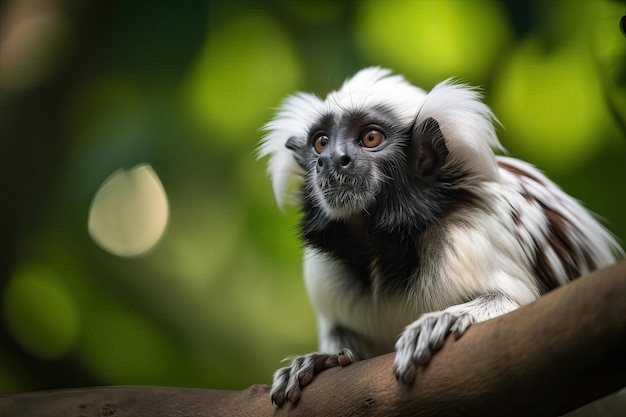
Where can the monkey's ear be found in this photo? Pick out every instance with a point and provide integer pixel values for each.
(430, 145)
(294, 143)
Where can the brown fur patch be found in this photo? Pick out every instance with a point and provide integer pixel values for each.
(557, 236)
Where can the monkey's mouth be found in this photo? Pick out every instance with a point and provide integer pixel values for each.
(343, 195)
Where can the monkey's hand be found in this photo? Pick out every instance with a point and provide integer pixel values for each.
(289, 381)
(423, 338)
(426, 335)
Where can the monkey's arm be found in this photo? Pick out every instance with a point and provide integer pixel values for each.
(546, 358)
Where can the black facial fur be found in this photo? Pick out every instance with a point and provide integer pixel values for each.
(413, 194)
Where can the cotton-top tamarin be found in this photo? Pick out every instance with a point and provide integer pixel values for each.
(413, 228)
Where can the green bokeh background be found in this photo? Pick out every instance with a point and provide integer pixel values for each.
(186, 87)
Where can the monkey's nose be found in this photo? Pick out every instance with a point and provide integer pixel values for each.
(341, 160)
(338, 161)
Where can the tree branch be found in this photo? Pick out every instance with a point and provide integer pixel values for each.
(547, 358)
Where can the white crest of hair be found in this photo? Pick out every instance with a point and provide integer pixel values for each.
(467, 125)
(466, 122)
(376, 86)
(293, 119)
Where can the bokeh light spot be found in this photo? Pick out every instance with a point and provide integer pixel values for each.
(129, 212)
(243, 71)
(550, 105)
(32, 46)
(40, 313)
(433, 40)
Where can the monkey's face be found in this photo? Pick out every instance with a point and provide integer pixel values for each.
(376, 147)
(349, 158)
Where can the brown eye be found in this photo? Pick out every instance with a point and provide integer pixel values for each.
(320, 143)
(372, 138)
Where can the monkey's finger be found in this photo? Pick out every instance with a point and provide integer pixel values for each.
(460, 326)
(403, 367)
(422, 354)
(308, 368)
(327, 362)
(345, 357)
(279, 384)
(406, 344)
(440, 331)
(324, 362)
(404, 371)
(293, 390)
(278, 398)
(294, 394)
(298, 367)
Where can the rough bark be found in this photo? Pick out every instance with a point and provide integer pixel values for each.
(547, 358)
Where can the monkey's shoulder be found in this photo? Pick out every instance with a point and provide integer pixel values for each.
(556, 232)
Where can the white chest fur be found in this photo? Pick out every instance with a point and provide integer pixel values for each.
(338, 300)
(454, 265)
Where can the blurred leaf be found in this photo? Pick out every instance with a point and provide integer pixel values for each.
(40, 313)
(433, 40)
(550, 105)
(246, 66)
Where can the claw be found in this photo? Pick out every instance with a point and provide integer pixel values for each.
(277, 393)
(460, 326)
(345, 357)
(294, 396)
(278, 399)
(421, 355)
(422, 339)
(440, 331)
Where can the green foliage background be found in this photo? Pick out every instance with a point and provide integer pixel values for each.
(186, 87)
